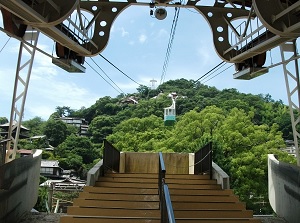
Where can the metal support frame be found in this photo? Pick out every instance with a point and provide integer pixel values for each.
(63, 19)
(22, 79)
(274, 25)
(291, 75)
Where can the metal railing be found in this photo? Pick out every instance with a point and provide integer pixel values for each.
(111, 157)
(165, 203)
(203, 160)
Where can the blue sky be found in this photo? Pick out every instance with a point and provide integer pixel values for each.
(137, 46)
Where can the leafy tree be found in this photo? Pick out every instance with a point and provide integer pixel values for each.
(245, 148)
(235, 103)
(77, 145)
(180, 86)
(80, 112)
(56, 131)
(143, 91)
(54, 116)
(3, 120)
(106, 106)
(42, 197)
(100, 127)
(139, 134)
(48, 155)
(35, 126)
(72, 129)
(73, 161)
(30, 144)
(193, 126)
(146, 108)
(64, 111)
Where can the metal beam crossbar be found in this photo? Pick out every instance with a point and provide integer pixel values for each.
(291, 75)
(22, 79)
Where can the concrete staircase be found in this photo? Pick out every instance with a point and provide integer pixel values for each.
(124, 198)
(196, 198)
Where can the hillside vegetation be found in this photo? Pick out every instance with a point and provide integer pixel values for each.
(244, 128)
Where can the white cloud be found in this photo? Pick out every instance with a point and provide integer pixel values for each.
(67, 93)
(162, 33)
(43, 67)
(128, 86)
(207, 56)
(142, 38)
(38, 110)
(7, 77)
(48, 93)
(14, 48)
(40, 72)
(124, 32)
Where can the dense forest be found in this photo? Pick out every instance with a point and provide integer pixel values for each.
(244, 128)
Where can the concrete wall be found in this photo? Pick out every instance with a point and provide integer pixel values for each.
(284, 189)
(175, 163)
(221, 177)
(19, 183)
(94, 173)
(217, 173)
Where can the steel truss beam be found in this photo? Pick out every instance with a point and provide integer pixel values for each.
(22, 79)
(278, 23)
(291, 75)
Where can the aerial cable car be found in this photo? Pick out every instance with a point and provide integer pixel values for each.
(170, 112)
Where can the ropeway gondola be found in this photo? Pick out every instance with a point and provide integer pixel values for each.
(170, 112)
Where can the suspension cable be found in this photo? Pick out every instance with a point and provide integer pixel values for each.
(103, 77)
(218, 73)
(209, 71)
(5, 44)
(213, 72)
(170, 44)
(107, 75)
(118, 69)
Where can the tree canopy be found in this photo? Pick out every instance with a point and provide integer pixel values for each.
(244, 128)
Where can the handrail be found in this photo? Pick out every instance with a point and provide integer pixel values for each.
(161, 174)
(167, 213)
(111, 157)
(203, 160)
(165, 203)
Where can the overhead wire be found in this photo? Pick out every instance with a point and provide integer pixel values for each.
(102, 77)
(118, 69)
(208, 73)
(5, 44)
(170, 44)
(214, 71)
(192, 11)
(120, 90)
(107, 75)
(218, 73)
